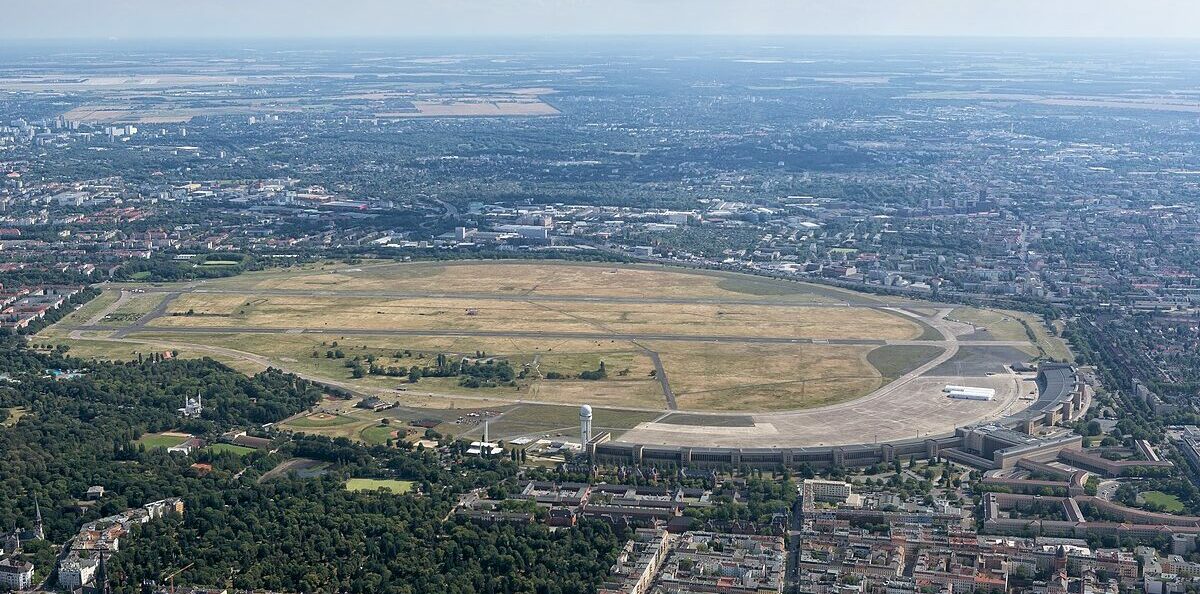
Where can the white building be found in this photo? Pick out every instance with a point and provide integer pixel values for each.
(525, 231)
(969, 392)
(192, 407)
(823, 490)
(15, 575)
(75, 572)
(484, 447)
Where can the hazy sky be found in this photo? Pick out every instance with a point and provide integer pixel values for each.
(132, 19)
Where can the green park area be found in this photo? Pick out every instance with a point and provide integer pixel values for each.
(391, 485)
(229, 448)
(1164, 501)
(162, 440)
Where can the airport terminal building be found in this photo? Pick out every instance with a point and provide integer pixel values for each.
(1062, 396)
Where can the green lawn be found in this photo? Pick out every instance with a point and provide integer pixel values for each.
(158, 440)
(393, 486)
(1166, 501)
(378, 434)
(221, 448)
(893, 361)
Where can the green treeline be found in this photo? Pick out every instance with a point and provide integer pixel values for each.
(288, 534)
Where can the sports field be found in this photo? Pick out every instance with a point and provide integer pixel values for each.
(669, 339)
(162, 440)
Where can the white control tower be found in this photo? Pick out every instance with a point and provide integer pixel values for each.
(585, 425)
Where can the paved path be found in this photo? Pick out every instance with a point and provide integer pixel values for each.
(661, 374)
(158, 311)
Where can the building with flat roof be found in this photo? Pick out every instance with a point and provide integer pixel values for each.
(823, 490)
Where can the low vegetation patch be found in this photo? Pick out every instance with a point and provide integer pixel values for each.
(318, 420)
(221, 448)
(390, 485)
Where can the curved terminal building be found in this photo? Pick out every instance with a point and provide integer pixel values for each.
(1061, 396)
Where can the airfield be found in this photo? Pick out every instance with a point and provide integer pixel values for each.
(693, 358)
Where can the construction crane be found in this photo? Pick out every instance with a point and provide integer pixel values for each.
(171, 577)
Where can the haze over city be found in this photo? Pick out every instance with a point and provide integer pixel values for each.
(142, 19)
(582, 297)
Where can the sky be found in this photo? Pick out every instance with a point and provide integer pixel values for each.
(153, 19)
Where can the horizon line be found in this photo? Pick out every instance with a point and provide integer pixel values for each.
(612, 35)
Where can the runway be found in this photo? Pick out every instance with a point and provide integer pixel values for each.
(200, 289)
(621, 336)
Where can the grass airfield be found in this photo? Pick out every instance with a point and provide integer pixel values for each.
(671, 339)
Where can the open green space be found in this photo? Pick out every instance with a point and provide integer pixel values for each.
(161, 440)
(223, 448)
(91, 308)
(1165, 501)
(379, 434)
(397, 487)
(893, 361)
(1014, 325)
(759, 343)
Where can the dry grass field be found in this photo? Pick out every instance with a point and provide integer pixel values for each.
(1011, 325)
(709, 370)
(134, 307)
(441, 314)
(481, 108)
(752, 377)
(630, 383)
(90, 309)
(543, 279)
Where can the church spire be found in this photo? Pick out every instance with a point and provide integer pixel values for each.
(102, 576)
(39, 531)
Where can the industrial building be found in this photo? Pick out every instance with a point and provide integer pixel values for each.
(969, 393)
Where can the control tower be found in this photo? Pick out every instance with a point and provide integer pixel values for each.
(585, 425)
